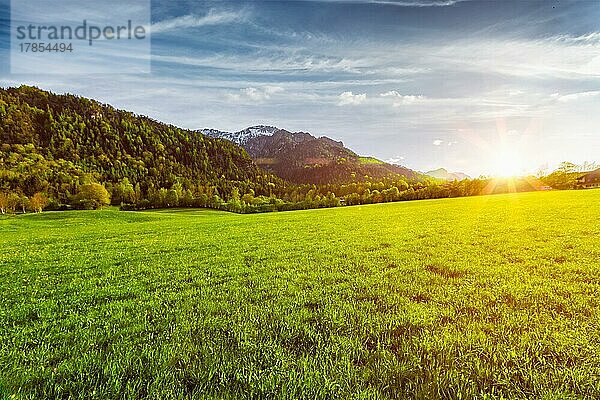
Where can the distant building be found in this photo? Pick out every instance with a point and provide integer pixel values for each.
(589, 180)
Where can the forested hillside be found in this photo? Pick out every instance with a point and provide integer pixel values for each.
(55, 143)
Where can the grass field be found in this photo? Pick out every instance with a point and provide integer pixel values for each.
(483, 297)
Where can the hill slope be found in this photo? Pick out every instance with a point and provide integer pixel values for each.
(53, 143)
(303, 158)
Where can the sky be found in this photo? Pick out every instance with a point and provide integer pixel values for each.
(480, 87)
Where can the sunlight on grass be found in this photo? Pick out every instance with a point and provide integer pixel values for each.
(447, 298)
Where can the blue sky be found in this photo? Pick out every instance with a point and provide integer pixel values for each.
(467, 85)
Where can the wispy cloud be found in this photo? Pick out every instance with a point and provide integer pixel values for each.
(348, 98)
(254, 94)
(192, 21)
(527, 58)
(416, 80)
(575, 96)
(290, 60)
(402, 3)
(418, 3)
(588, 38)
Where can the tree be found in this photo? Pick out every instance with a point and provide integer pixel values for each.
(91, 197)
(162, 197)
(567, 167)
(178, 188)
(187, 199)
(123, 192)
(353, 199)
(234, 203)
(33, 184)
(402, 185)
(248, 198)
(172, 198)
(3, 202)
(37, 202)
(376, 197)
(14, 202)
(137, 193)
(332, 201)
(589, 166)
(24, 203)
(202, 201)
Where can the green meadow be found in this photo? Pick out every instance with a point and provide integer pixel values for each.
(479, 297)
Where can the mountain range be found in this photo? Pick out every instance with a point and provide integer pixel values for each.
(442, 173)
(300, 157)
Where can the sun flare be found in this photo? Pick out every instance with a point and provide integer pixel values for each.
(507, 162)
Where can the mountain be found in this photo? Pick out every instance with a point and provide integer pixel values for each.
(53, 143)
(243, 136)
(300, 157)
(442, 173)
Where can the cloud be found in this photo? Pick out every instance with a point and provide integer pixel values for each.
(419, 87)
(253, 94)
(395, 160)
(278, 61)
(589, 38)
(418, 3)
(438, 142)
(403, 3)
(348, 98)
(574, 58)
(400, 100)
(574, 96)
(193, 21)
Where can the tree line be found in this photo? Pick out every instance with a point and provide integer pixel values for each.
(62, 151)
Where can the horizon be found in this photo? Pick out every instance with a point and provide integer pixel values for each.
(467, 86)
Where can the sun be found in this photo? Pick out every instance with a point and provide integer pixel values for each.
(507, 162)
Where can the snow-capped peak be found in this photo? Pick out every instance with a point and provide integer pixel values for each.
(241, 137)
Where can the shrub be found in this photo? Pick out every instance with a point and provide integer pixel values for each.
(90, 197)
